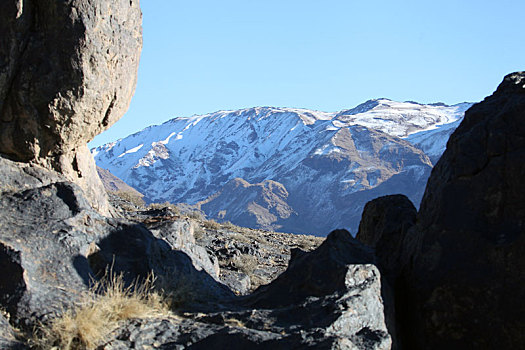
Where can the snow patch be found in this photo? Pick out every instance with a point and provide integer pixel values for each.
(133, 150)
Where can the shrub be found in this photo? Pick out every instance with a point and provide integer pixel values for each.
(166, 204)
(212, 224)
(133, 198)
(99, 313)
(198, 231)
(197, 215)
(246, 263)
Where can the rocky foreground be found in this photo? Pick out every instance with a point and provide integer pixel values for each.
(329, 297)
(239, 257)
(448, 276)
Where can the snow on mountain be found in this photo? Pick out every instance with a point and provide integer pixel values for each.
(433, 142)
(328, 164)
(402, 118)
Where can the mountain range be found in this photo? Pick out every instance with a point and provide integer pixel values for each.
(286, 169)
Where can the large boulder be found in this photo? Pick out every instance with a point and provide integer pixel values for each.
(179, 235)
(67, 72)
(384, 225)
(467, 270)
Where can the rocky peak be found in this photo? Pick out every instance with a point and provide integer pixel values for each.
(512, 83)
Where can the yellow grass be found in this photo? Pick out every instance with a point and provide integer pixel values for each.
(100, 312)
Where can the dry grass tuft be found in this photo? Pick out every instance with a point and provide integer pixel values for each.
(99, 313)
(132, 197)
(229, 226)
(196, 215)
(157, 206)
(212, 224)
(246, 263)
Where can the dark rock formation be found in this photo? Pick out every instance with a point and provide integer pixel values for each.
(54, 243)
(336, 288)
(384, 225)
(67, 72)
(42, 245)
(7, 335)
(318, 273)
(466, 276)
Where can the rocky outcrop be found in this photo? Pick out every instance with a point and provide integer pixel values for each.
(329, 298)
(336, 288)
(44, 269)
(466, 270)
(67, 72)
(250, 258)
(180, 236)
(52, 244)
(384, 225)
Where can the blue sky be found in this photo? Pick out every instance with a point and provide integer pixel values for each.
(203, 56)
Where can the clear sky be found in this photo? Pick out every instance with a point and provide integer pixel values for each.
(201, 56)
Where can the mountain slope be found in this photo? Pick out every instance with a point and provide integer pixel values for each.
(433, 142)
(114, 184)
(328, 164)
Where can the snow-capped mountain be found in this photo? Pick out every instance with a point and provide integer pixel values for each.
(289, 169)
(402, 118)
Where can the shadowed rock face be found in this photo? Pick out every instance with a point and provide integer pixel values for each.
(467, 272)
(53, 245)
(67, 72)
(383, 226)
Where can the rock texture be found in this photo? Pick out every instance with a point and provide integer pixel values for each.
(52, 244)
(180, 236)
(7, 335)
(466, 274)
(251, 258)
(384, 226)
(67, 72)
(241, 258)
(327, 299)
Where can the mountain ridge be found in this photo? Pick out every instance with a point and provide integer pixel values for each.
(316, 156)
